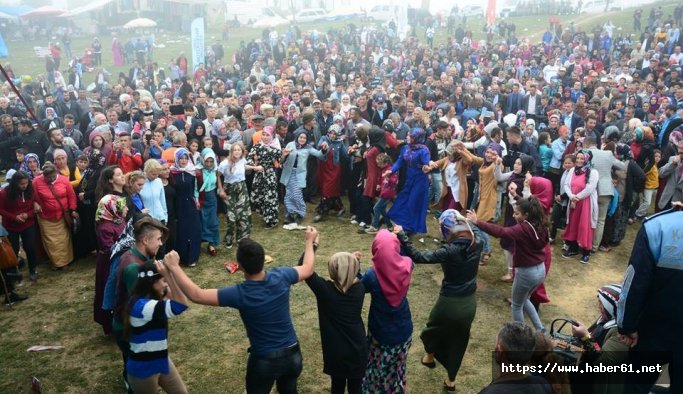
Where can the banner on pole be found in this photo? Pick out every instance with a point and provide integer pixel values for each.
(197, 40)
(491, 12)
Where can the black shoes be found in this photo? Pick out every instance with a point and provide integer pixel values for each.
(15, 297)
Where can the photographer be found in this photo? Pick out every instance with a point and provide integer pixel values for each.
(155, 143)
(124, 155)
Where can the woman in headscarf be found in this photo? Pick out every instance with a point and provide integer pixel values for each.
(294, 160)
(390, 325)
(264, 159)
(514, 185)
(345, 106)
(447, 333)
(372, 173)
(582, 213)
(51, 120)
(188, 235)
(342, 332)
(56, 200)
(223, 137)
(61, 162)
(86, 240)
(111, 221)
(410, 208)
(31, 165)
(330, 172)
(209, 192)
(96, 141)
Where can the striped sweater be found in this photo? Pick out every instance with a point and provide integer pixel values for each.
(148, 338)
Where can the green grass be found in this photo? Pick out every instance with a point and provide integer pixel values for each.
(208, 345)
(24, 61)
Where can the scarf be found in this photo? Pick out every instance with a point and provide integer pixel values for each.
(110, 208)
(378, 139)
(189, 168)
(588, 156)
(542, 189)
(216, 127)
(209, 174)
(393, 270)
(343, 268)
(24, 165)
(274, 141)
(296, 139)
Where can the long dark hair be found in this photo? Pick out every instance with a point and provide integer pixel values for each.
(144, 288)
(534, 211)
(13, 191)
(104, 186)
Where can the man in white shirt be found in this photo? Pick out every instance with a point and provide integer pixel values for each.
(531, 101)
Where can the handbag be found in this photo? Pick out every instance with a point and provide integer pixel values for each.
(8, 259)
(568, 347)
(67, 215)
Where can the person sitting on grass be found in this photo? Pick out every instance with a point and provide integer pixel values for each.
(263, 302)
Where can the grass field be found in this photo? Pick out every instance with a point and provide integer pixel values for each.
(209, 344)
(24, 61)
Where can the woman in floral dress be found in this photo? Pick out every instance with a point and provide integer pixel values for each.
(263, 158)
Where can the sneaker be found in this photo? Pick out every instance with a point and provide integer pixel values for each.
(228, 243)
(371, 230)
(605, 249)
(565, 247)
(584, 259)
(317, 218)
(362, 224)
(297, 226)
(341, 212)
(192, 264)
(289, 226)
(34, 277)
(569, 254)
(353, 221)
(361, 230)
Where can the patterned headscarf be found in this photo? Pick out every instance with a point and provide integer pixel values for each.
(453, 223)
(343, 268)
(110, 208)
(675, 138)
(189, 168)
(216, 127)
(609, 299)
(588, 158)
(274, 141)
(24, 165)
(417, 138)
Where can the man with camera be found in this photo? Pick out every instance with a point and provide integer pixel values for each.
(124, 155)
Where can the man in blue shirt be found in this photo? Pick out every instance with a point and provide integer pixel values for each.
(263, 302)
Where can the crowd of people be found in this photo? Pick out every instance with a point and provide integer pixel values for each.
(511, 139)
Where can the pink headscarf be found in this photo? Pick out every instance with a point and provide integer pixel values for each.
(274, 142)
(542, 189)
(392, 270)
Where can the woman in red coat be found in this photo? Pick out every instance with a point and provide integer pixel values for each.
(16, 209)
(56, 199)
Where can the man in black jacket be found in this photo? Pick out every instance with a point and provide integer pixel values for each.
(518, 145)
(34, 141)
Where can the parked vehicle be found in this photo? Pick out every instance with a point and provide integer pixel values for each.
(308, 15)
(247, 14)
(472, 11)
(383, 13)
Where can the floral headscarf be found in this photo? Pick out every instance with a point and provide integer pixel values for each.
(110, 208)
(274, 142)
(189, 168)
(24, 165)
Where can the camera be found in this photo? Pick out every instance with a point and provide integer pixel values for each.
(148, 137)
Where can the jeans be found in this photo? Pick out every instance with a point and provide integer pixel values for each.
(435, 187)
(526, 281)
(28, 239)
(486, 241)
(603, 205)
(648, 194)
(379, 211)
(281, 367)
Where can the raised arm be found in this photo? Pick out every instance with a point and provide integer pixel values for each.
(177, 294)
(195, 293)
(306, 269)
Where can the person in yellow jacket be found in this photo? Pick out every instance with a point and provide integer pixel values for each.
(651, 186)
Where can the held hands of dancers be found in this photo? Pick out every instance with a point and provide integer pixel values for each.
(171, 260)
(472, 216)
(397, 229)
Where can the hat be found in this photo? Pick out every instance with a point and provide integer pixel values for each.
(147, 270)
(148, 112)
(316, 101)
(380, 99)
(609, 298)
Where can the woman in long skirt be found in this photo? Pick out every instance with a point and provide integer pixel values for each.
(172, 223)
(238, 212)
(188, 236)
(110, 219)
(263, 159)
(410, 208)
(209, 192)
(447, 333)
(86, 239)
(390, 325)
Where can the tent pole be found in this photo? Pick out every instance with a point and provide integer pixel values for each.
(14, 88)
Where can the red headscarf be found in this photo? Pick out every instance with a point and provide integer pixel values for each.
(392, 270)
(542, 188)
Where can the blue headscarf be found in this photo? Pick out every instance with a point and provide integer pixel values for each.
(209, 174)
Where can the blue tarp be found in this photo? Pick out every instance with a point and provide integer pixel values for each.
(15, 10)
(4, 51)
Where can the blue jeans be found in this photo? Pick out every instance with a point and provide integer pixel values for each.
(526, 281)
(281, 367)
(379, 211)
(486, 241)
(435, 187)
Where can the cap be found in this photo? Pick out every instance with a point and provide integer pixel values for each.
(316, 101)
(563, 69)
(257, 117)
